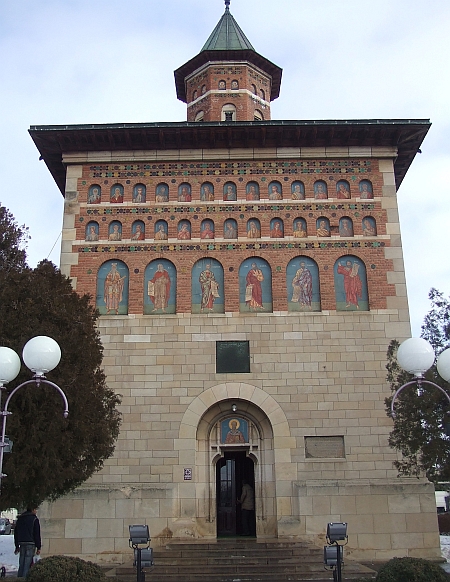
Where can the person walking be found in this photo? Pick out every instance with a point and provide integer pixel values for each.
(27, 539)
(247, 501)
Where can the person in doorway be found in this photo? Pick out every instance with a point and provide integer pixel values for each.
(247, 502)
(27, 539)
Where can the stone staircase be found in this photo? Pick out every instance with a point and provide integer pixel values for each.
(240, 560)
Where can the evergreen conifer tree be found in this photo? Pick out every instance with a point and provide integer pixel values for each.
(52, 455)
(422, 414)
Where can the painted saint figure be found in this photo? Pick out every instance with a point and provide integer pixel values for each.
(320, 192)
(184, 193)
(342, 191)
(230, 230)
(113, 290)
(139, 194)
(352, 282)
(116, 195)
(253, 289)
(183, 232)
(275, 192)
(161, 233)
(94, 196)
(302, 285)
(116, 233)
(207, 232)
(252, 192)
(162, 193)
(209, 287)
(323, 229)
(253, 230)
(369, 227)
(234, 435)
(138, 234)
(300, 229)
(366, 192)
(92, 234)
(159, 289)
(207, 193)
(297, 193)
(277, 230)
(229, 192)
(345, 227)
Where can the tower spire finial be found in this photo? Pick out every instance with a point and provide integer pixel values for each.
(227, 4)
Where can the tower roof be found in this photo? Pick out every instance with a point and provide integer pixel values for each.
(227, 35)
(227, 42)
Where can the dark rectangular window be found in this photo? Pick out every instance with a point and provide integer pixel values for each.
(232, 357)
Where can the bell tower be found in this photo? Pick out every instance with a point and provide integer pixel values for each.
(228, 80)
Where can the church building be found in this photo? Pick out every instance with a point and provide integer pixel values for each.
(249, 278)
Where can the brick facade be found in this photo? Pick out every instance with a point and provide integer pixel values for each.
(240, 84)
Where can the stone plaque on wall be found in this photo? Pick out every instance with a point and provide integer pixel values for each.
(324, 447)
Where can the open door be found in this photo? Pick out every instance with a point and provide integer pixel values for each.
(230, 471)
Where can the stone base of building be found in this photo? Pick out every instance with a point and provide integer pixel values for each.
(385, 519)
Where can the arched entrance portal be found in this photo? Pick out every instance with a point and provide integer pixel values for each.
(231, 470)
(204, 441)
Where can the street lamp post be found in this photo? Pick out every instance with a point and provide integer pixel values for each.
(416, 356)
(40, 354)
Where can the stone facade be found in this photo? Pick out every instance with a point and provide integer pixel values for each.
(148, 204)
(313, 375)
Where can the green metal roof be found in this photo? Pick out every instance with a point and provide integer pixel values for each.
(227, 35)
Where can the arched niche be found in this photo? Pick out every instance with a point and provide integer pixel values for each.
(350, 284)
(255, 286)
(112, 288)
(303, 285)
(160, 284)
(208, 287)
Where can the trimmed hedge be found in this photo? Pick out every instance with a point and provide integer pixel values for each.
(411, 570)
(63, 568)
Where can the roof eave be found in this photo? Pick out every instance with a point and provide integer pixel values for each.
(54, 141)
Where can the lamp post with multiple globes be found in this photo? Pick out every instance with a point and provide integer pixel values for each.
(416, 356)
(40, 354)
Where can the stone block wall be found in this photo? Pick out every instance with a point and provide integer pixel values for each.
(316, 386)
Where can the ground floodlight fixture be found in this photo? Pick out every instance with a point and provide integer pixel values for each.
(336, 532)
(330, 556)
(139, 534)
(146, 557)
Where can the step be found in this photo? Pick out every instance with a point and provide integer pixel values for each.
(239, 561)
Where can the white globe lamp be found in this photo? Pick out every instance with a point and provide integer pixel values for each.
(41, 354)
(443, 365)
(9, 365)
(416, 356)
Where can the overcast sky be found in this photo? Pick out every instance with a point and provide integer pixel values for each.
(110, 61)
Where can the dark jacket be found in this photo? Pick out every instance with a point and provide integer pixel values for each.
(27, 530)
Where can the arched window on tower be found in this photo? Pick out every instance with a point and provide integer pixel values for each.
(200, 116)
(254, 90)
(228, 112)
(263, 95)
(258, 116)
